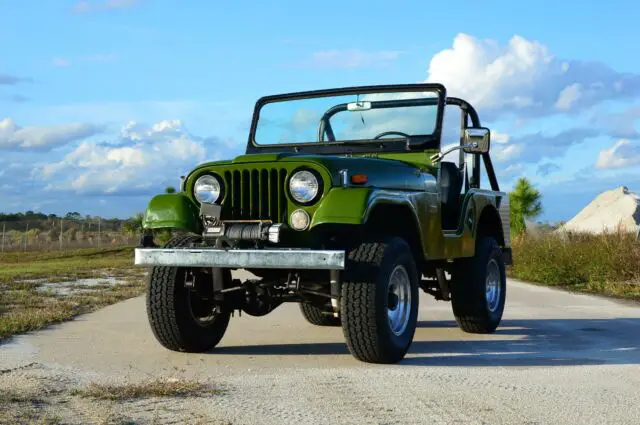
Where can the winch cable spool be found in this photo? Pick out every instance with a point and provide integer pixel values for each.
(243, 231)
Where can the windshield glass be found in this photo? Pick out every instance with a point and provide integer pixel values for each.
(353, 117)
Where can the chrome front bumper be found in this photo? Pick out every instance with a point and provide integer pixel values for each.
(241, 258)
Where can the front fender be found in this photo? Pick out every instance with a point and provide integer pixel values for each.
(342, 205)
(172, 211)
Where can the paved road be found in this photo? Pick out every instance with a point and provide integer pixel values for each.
(558, 358)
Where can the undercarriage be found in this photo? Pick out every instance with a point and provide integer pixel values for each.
(258, 296)
(274, 276)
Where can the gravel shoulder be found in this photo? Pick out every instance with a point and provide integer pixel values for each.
(557, 358)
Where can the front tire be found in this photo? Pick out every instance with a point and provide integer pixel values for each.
(379, 301)
(179, 318)
(318, 317)
(479, 288)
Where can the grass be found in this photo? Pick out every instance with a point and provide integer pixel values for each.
(24, 408)
(153, 388)
(76, 263)
(607, 264)
(25, 307)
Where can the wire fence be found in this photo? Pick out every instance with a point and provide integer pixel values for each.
(62, 233)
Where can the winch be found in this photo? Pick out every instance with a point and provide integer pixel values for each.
(245, 231)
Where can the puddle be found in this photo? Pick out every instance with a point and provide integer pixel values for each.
(77, 286)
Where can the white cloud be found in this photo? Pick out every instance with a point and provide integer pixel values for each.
(623, 153)
(153, 155)
(569, 96)
(351, 58)
(135, 131)
(620, 125)
(42, 137)
(533, 147)
(524, 77)
(513, 170)
(498, 137)
(509, 152)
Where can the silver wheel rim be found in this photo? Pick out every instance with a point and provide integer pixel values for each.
(399, 300)
(493, 286)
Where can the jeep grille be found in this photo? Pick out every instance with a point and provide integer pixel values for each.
(255, 194)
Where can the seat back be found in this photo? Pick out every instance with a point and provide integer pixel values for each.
(450, 180)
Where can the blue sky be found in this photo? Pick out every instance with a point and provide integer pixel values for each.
(103, 103)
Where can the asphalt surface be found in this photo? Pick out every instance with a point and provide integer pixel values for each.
(557, 358)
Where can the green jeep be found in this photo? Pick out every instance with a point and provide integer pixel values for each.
(343, 203)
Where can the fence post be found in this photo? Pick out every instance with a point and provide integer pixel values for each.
(26, 237)
(99, 226)
(3, 230)
(61, 220)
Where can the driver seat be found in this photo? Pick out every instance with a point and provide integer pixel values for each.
(450, 179)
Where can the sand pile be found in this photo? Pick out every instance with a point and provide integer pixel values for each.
(611, 210)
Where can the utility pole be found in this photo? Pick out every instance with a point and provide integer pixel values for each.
(99, 238)
(3, 230)
(61, 220)
(26, 237)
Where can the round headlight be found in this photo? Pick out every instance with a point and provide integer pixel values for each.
(304, 186)
(207, 189)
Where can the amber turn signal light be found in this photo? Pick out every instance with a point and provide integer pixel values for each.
(359, 178)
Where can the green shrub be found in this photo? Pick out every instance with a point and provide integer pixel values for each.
(607, 263)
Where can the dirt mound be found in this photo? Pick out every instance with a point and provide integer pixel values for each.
(613, 210)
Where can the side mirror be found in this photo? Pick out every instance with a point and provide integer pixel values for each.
(477, 140)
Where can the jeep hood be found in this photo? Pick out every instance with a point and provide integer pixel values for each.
(392, 171)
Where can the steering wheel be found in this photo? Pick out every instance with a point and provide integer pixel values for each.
(387, 133)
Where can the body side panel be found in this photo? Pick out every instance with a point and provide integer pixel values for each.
(461, 242)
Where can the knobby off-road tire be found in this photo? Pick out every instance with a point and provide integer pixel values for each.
(170, 311)
(317, 317)
(479, 288)
(374, 269)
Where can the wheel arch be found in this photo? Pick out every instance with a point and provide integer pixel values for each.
(490, 224)
(396, 219)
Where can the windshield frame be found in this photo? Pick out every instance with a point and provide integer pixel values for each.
(396, 144)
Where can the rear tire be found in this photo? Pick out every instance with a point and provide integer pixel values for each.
(479, 288)
(176, 314)
(379, 301)
(318, 317)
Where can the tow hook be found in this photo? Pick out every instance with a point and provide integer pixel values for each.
(146, 240)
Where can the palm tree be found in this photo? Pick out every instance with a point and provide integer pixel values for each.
(525, 202)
